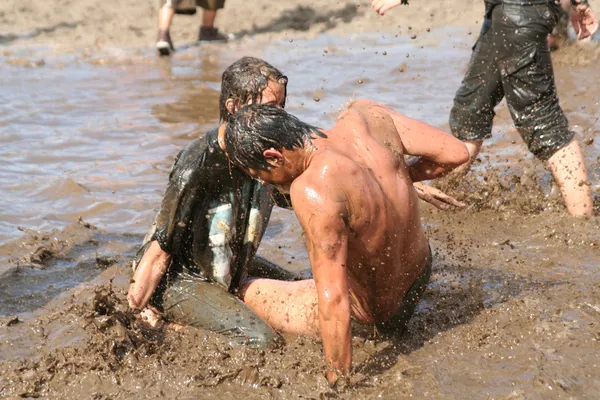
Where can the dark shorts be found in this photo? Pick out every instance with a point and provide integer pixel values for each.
(189, 300)
(397, 324)
(511, 58)
(188, 6)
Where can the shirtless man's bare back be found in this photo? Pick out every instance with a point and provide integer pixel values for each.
(353, 194)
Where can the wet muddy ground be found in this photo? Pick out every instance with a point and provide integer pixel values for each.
(513, 308)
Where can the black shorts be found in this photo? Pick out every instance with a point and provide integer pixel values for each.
(511, 58)
(397, 323)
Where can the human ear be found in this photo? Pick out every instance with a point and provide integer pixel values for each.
(273, 157)
(231, 106)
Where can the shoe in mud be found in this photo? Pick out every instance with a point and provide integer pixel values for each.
(212, 35)
(164, 45)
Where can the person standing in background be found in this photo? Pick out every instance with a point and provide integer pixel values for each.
(168, 8)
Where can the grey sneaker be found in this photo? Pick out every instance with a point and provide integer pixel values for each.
(164, 45)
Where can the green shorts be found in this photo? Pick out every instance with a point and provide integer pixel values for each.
(189, 6)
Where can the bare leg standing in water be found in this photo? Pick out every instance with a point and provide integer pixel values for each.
(515, 35)
(511, 59)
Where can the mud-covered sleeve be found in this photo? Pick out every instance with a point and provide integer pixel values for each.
(281, 200)
(187, 186)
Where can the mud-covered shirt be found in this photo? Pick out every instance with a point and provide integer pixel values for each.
(213, 215)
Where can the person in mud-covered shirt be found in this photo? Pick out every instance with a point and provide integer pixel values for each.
(203, 242)
(210, 223)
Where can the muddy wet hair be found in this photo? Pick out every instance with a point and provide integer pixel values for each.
(259, 127)
(245, 80)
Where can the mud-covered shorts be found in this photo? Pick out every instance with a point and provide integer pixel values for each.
(190, 300)
(511, 58)
(397, 323)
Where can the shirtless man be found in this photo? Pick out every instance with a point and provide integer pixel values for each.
(353, 194)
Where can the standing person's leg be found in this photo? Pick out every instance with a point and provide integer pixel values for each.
(520, 34)
(208, 31)
(164, 44)
(472, 115)
(568, 168)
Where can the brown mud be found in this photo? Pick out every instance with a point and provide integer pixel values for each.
(511, 313)
(91, 123)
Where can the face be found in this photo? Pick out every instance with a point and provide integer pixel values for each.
(274, 94)
(275, 175)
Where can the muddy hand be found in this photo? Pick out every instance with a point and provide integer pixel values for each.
(151, 317)
(584, 21)
(381, 6)
(436, 197)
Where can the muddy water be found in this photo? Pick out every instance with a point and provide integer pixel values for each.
(513, 307)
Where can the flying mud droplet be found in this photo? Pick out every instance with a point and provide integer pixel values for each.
(402, 67)
(325, 51)
(317, 99)
(428, 29)
(360, 81)
(291, 40)
(384, 53)
(413, 37)
(588, 141)
(410, 28)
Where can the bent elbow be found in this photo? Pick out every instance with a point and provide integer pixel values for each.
(458, 156)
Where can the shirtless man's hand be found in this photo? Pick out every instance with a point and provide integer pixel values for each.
(436, 197)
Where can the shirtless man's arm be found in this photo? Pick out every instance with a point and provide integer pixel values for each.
(322, 217)
(436, 152)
